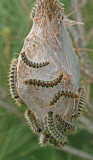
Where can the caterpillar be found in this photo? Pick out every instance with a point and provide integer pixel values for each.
(33, 64)
(54, 132)
(55, 143)
(44, 139)
(31, 119)
(13, 82)
(80, 102)
(33, 12)
(65, 124)
(47, 138)
(63, 93)
(43, 83)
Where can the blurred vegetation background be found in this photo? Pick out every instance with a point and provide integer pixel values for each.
(17, 142)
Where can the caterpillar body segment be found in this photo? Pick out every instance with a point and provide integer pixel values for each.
(41, 83)
(53, 131)
(32, 64)
(65, 93)
(65, 125)
(30, 117)
(13, 82)
(80, 103)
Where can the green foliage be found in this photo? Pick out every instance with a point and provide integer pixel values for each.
(17, 142)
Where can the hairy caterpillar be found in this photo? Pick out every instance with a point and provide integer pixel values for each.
(43, 83)
(47, 138)
(32, 64)
(55, 143)
(33, 12)
(30, 117)
(80, 103)
(54, 132)
(63, 93)
(65, 124)
(13, 82)
(43, 139)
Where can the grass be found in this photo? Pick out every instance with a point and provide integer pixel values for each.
(17, 142)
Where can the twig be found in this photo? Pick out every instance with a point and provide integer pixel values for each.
(12, 109)
(81, 34)
(87, 124)
(77, 152)
(87, 73)
(78, 17)
(83, 49)
(83, 3)
(89, 108)
(3, 93)
(71, 13)
(90, 35)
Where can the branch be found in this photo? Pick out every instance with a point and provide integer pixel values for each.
(12, 109)
(90, 35)
(84, 49)
(88, 125)
(78, 17)
(89, 108)
(3, 93)
(81, 34)
(77, 152)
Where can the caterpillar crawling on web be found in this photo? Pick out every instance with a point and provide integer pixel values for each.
(32, 64)
(43, 83)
